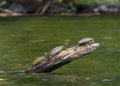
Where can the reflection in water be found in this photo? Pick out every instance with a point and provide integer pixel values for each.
(110, 49)
(65, 77)
(37, 41)
(58, 77)
(94, 84)
(44, 76)
(68, 40)
(34, 73)
(116, 78)
(44, 79)
(19, 72)
(111, 79)
(2, 71)
(113, 49)
(1, 79)
(107, 38)
(107, 80)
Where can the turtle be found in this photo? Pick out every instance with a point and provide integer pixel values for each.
(55, 51)
(39, 60)
(85, 41)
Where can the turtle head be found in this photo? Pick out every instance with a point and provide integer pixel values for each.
(46, 53)
(66, 45)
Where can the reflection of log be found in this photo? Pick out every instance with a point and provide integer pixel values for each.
(62, 58)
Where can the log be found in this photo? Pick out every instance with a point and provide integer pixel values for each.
(2, 3)
(44, 8)
(62, 58)
(6, 11)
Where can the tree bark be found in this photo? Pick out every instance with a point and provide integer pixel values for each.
(63, 58)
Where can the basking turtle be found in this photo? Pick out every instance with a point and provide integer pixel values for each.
(38, 61)
(55, 51)
(85, 41)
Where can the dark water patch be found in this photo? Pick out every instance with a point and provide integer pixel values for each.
(116, 78)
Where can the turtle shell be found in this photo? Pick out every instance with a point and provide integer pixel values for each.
(56, 50)
(85, 40)
(39, 60)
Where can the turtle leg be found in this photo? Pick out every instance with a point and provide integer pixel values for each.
(91, 42)
(64, 48)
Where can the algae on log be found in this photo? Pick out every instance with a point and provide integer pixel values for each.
(62, 58)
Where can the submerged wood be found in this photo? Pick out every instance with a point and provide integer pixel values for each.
(63, 58)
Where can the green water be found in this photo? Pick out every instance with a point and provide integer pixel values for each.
(22, 39)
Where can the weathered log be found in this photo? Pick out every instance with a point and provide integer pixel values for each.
(45, 8)
(62, 58)
(47, 5)
(6, 11)
(3, 3)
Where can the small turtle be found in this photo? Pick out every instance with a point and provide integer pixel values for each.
(39, 60)
(55, 51)
(85, 41)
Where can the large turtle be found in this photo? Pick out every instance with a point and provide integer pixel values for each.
(85, 41)
(55, 51)
(39, 60)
